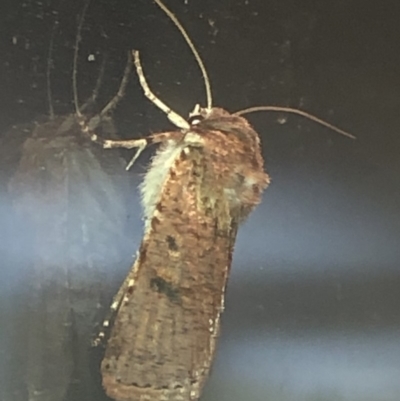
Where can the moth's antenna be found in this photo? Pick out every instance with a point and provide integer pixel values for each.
(95, 94)
(299, 113)
(192, 48)
(112, 104)
(49, 68)
(76, 51)
(174, 117)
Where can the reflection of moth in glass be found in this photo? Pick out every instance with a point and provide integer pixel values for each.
(204, 180)
(67, 211)
(69, 203)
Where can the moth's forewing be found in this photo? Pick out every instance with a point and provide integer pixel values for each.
(163, 338)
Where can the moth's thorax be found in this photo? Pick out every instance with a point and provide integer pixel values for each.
(231, 154)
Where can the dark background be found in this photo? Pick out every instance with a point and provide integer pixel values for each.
(313, 298)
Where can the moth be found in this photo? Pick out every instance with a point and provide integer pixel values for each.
(204, 180)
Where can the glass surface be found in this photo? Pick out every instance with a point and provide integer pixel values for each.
(313, 297)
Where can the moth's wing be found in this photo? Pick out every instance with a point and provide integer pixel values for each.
(163, 339)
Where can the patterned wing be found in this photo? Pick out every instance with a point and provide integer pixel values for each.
(163, 339)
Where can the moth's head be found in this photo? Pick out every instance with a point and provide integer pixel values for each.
(199, 114)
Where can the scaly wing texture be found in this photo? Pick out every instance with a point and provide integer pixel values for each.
(164, 334)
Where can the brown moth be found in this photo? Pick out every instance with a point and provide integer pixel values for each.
(204, 180)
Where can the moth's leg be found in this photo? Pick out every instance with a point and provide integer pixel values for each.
(175, 118)
(140, 144)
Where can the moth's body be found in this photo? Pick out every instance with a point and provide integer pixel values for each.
(202, 182)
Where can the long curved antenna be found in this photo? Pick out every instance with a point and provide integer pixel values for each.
(192, 48)
(299, 113)
(76, 51)
(175, 118)
(112, 104)
(95, 94)
(49, 68)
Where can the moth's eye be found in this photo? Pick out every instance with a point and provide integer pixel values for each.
(195, 119)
